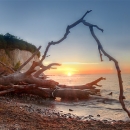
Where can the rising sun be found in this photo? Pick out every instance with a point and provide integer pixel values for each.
(69, 74)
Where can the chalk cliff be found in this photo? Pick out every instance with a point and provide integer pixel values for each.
(13, 57)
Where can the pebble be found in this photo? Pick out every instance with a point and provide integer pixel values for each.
(90, 116)
(98, 115)
(70, 110)
(104, 120)
(60, 114)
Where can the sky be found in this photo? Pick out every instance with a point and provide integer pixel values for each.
(42, 21)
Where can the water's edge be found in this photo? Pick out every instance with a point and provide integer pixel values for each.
(105, 107)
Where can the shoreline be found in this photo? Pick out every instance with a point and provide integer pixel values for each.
(18, 113)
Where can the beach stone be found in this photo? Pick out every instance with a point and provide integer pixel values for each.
(105, 121)
(98, 115)
(90, 116)
(70, 110)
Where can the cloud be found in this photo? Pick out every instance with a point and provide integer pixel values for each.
(68, 69)
(77, 63)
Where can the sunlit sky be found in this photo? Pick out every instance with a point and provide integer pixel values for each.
(41, 21)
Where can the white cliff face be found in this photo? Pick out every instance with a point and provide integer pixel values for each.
(14, 56)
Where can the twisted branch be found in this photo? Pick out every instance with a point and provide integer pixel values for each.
(7, 67)
(121, 96)
(32, 68)
(65, 35)
(45, 68)
(35, 53)
(101, 50)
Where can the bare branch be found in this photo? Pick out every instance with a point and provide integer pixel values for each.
(35, 53)
(91, 25)
(65, 35)
(32, 68)
(96, 81)
(7, 67)
(121, 96)
(45, 68)
(86, 86)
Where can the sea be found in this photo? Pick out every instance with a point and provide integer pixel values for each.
(104, 107)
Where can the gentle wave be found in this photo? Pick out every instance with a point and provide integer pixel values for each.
(107, 106)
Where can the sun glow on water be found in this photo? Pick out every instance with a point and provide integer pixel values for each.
(69, 73)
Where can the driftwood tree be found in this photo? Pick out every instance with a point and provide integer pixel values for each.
(31, 83)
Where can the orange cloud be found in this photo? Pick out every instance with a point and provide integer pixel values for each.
(83, 68)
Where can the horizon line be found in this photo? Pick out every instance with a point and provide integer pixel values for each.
(78, 63)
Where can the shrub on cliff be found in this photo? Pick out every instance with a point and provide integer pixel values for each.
(11, 42)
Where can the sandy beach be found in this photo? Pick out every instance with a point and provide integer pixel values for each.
(23, 113)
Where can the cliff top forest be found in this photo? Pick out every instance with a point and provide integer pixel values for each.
(11, 42)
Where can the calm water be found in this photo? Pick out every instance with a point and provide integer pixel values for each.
(108, 107)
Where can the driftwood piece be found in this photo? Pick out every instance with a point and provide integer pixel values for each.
(7, 67)
(35, 53)
(26, 89)
(86, 86)
(65, 35)
(71, 94)
(63, 93)
(100, 48)
(48, 92)
(26, 77)
(45, 68)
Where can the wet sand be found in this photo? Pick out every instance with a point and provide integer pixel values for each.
(26, 113)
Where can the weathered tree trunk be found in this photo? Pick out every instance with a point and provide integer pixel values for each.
(26, 77)
(71, 94)
(63, 93)
(47, 91)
